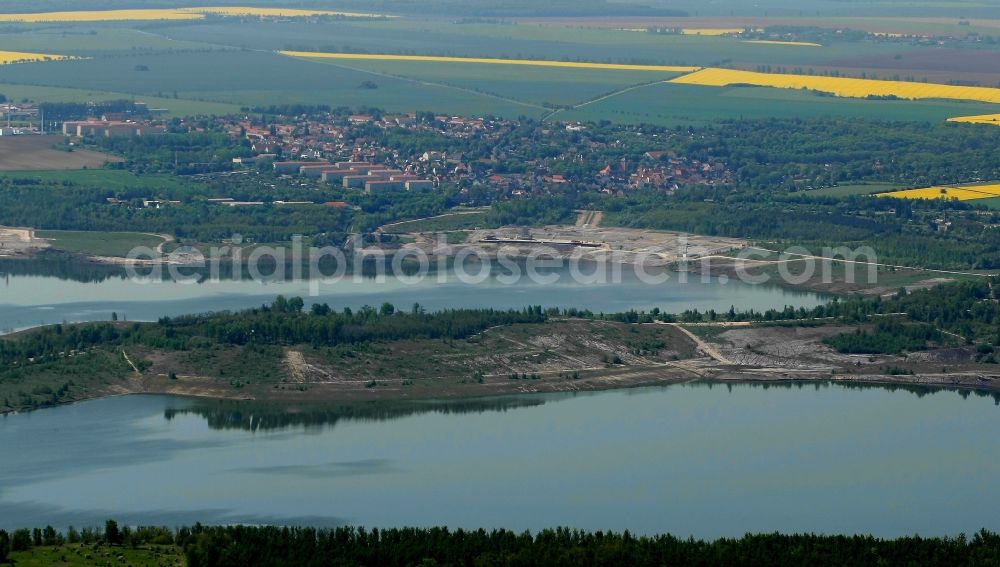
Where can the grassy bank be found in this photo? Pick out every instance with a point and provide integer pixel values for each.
(93, 555)
(111, 244)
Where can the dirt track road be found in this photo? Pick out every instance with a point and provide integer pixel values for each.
(589, 219)
(703, 346)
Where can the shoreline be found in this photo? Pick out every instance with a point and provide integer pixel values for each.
(958, 382)
(587, 245)
(566, 354)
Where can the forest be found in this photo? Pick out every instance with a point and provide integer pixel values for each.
(967, 310)
(962, 308)
(284, 322)
(83, 204)
(792, 154)
(267, 546)
(900, 232)
(888, 337)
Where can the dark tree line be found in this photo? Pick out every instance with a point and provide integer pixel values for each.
(62, 111)
(271, 546)
(966, 309)
(199, 152)
(888, 337)
(793, 154)
(900, 232)
(282, 323)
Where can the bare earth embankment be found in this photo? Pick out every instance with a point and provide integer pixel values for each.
(19, 242)
(585, 241)
(561, 355)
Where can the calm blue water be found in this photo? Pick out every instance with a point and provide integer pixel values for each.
(32, 300)
(699, 459)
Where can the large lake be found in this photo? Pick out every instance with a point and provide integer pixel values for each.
(40, 293)
(701, 459)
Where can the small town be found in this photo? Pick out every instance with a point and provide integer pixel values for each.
(376, 153)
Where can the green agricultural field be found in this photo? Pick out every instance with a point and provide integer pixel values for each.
(82, 555)
(109, 179)
(113, 244)
(173, 106)
(85, 40)
(529, 41)
(257, 78)
(221, 81)
(671, 104)
(546, 86)
(993, 203)
(886, 59)
(219, 65)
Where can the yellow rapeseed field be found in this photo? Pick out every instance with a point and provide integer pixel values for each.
(778, 42)
(527, 62)
(839, 86)
(980, 119)
(7, 57)
(272, 12)
(964, 193)
(196, 13)
(100, 16)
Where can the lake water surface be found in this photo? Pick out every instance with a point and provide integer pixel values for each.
(701, 459)
(45, 295)
(688, 459)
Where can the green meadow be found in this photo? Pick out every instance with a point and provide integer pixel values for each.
(113, 244)
(108, 179)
